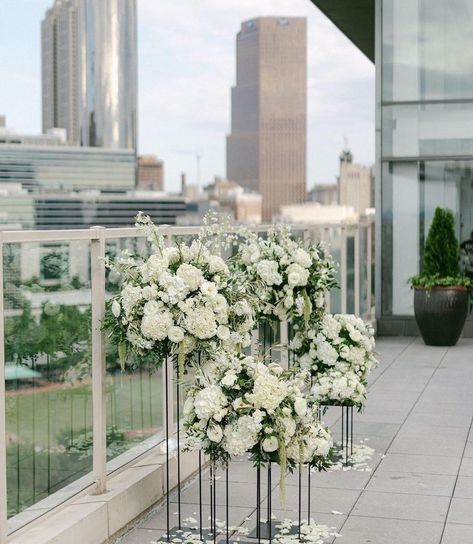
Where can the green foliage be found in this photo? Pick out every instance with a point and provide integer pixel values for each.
(442, 250)
(441, 255)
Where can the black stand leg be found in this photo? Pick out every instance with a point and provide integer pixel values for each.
(178, 417)
(166, 378)
(226, 502)
(258, 504)
(308, 493)
(300, 498)
(200, 496)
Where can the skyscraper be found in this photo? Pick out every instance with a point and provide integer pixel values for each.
(266, 150)
(89, 71)
(61, 68)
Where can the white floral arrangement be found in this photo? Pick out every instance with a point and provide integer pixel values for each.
(178, 300)
(238, 405)
(338, 345)
(288, 277)
(339, 386)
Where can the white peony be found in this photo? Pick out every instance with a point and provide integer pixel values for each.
(176, 334)
(268, 271)
(215, 433)
(209, 289)
(300, 406)
(302, 258)
(270, 444)
(223, 332)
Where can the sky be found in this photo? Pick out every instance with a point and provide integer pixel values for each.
(186, 67)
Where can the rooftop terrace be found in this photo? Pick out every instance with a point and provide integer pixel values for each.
(417, 485)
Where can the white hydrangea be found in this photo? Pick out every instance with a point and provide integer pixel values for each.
(241, 435)
(297, 276)
(268, 392)
(130, 296)
(201, 322)
(191, 275)
(210, 402)
(156, 324)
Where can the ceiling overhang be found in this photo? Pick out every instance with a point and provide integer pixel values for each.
(355, 18)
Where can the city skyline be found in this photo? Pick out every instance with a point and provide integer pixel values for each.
(186, 67)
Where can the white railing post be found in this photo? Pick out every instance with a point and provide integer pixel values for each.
(3, 428)
(369, 258)
(97, 255)
(357, 275)
(343, 270)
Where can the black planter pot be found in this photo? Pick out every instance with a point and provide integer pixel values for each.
(441, 313)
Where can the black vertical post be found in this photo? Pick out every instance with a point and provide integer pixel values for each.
(258, 504)
(200, 495)
(270, 504)
(211, 497)
(308, 492)
(343, 430)
(166, 395)
(178, 449)
(226, 499)
(200, 474)
(351, 434)
(214, 483)
(300, 499)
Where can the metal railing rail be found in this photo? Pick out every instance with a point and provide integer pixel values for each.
(97, 236)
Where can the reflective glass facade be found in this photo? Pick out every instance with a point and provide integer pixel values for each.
(425, 149)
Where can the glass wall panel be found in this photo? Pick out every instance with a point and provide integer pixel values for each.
(411, 192)
(427, 130)
(426, 52)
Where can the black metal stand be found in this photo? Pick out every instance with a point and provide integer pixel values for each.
(347, 435)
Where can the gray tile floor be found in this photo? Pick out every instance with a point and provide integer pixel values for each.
(420, 489)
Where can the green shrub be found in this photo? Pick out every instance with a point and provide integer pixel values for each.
(441, 254)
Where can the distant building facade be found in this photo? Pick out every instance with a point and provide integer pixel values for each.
(245, 206)
(89, 71)
(355, 184)
(150, 173)
(326, 194)
(266, 150)
(318, 214)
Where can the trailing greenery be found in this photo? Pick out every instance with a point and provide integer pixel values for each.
(441, 255)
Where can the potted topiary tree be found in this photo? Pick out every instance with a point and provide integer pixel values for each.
(441, 293)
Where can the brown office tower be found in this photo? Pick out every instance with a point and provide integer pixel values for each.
(266, 150)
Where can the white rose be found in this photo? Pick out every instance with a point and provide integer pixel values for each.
(270, 444)
(229, 379)
(116, 308)
(209, 289)
(300, 406)
(176, 334)
(215, 433)
(223, 332)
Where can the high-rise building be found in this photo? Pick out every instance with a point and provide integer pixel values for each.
(60, 64)
(89, 71)
(266, 150)
(150, 173)
(355, 184)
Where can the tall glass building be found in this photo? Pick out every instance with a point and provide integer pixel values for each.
(89, 71)
(424, 130)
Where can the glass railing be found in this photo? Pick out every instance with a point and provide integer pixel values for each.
(59, 433)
